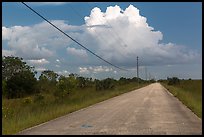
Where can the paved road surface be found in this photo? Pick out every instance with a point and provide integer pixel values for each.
(149, 110)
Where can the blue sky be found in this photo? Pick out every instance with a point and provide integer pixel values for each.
(172, 48)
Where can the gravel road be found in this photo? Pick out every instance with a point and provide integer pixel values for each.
(148, 110)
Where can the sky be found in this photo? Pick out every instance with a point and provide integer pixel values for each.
(166, 36)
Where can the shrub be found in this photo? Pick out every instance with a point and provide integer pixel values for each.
(7, 112)
(38, 98)
(27, 100)
(4, 88)
(105, 84)
(173, 81)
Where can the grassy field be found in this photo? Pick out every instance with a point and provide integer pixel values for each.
(19, 114)
(189, 92)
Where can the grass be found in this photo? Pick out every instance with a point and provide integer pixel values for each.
(189, 92)
(19, 114)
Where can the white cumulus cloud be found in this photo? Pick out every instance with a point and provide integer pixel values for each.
(130, 36)
(95, 69)
(83, 70)
(40, 69)
(38, 62)
(57, 60)
(63, 72)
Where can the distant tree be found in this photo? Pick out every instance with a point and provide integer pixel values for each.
(107, 83)
(21, 84)
(84, 82)
(47, 81)
(49, 75)
(152, 80)
(123, 80)
(161, 80)
(18, 77)
(65, 86)
(13, 65)
(73, 75)
(81, 82)
(134, 79)
(4, 88)
(173, 81)
(98, 84)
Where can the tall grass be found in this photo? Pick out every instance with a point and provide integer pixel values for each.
(19, 114)
(189, 92)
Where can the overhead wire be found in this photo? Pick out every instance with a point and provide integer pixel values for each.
(72, 38)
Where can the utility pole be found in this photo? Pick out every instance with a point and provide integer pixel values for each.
(149, 76)
(146, 73)
(137, 72)
(137, 68)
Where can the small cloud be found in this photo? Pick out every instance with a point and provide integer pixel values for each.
(64, 72)
(83, 70)
(96, 69)
(40, 69)
(39, 61)
(99, 69)
(58, 60)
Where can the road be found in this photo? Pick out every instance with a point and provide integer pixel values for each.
(149, 110)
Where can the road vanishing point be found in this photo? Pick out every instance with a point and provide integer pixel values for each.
(150, 110)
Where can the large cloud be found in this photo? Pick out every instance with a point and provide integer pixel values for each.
(117, 35)
(131, 36)
(37, 41)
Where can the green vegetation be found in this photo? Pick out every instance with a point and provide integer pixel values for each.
(27, 101)
(22, 113)
(18, 78)
(189, 92)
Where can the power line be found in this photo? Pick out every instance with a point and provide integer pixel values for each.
(72, 38)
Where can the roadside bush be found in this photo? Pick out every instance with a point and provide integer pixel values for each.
(105, 84)
(19, 78)
(4, 88)
(173, 81)
(7, 112)
(60, 93)
(21, 84)
(27, 100)
(38, 98)
(65, 86)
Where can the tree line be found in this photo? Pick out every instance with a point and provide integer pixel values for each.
(19, 80)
